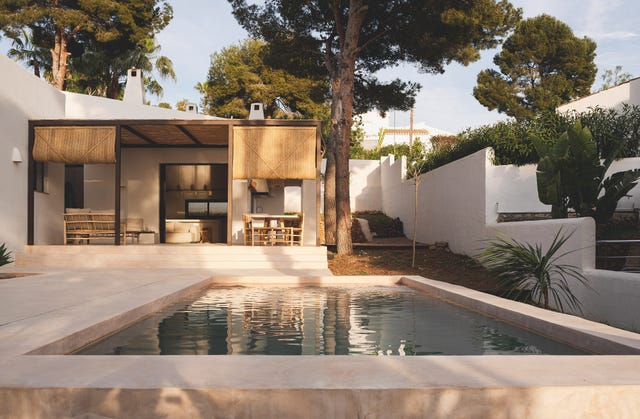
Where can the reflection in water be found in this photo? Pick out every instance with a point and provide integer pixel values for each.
(321, 320)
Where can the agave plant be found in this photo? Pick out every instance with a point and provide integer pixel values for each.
(526, 270)
(5, 255)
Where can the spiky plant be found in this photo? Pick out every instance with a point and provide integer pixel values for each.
(5, 255)
(523, 268)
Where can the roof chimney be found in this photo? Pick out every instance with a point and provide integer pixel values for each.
(191, 107)
(256, 111)
(134, 89)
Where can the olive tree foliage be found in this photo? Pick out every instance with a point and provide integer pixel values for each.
(613, 77)
(542, 65)
(239, 76)
(348, 41)
(65, 24)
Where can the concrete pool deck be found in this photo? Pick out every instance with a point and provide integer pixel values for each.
(59, 310)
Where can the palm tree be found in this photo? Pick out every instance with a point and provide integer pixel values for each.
(526, 270)
(103, 71)
(24, 48)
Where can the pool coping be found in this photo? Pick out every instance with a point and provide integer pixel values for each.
(107, 384)
(582, 334)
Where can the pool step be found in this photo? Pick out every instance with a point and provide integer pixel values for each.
(173, 256)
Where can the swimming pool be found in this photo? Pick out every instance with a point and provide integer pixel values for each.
(289, 320)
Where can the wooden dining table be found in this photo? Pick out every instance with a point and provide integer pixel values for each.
(269, 219)
(273, 230)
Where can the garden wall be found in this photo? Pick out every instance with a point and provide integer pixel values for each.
(458, 203)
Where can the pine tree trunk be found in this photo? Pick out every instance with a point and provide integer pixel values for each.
(113, 88)
(59, 56)
(341, 176)
(330, 196)
(342, 119)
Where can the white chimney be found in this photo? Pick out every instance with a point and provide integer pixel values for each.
(134, 89)
(191, 107)
(256, 111)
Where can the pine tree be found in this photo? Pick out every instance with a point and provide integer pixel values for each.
(348, 41)
(542, 65)
(68, 20)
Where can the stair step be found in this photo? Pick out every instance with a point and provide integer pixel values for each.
(172, 256)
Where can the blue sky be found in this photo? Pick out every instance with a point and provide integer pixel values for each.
(201, 27)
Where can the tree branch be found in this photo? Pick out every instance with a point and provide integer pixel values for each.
(338, 19)
(329, 56)
(74, 31)
(372, 39)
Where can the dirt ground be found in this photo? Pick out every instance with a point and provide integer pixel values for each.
(440, 265)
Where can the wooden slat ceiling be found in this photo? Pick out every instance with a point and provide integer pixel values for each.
(174, 135)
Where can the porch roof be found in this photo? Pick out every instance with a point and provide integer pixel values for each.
(172, 132)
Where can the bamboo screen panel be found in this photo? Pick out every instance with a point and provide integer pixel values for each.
(75, 145)
(274, 152)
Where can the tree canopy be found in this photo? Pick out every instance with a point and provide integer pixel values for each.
(239, 76)
(542, 65)
(348, 41)
(68, 22)
(102, 69)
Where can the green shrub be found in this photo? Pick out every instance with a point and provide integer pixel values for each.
(381, 224)
(512, 141)
(5, 255)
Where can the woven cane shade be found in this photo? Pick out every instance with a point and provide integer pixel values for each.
(274, 152)
(75, 145)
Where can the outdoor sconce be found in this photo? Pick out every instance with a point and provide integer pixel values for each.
(16, 156)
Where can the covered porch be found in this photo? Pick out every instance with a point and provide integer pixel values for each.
(187, 181)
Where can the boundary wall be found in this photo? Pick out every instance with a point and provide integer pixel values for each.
(459, 203)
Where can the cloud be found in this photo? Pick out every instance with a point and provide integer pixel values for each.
(613, 36)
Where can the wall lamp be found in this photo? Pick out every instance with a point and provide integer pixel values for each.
(16, 155)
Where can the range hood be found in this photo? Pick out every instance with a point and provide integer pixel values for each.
(259, 186)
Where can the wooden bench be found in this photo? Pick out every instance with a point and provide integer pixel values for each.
(84, 226)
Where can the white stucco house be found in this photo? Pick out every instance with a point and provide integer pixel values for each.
(613, 97)
(154, 165)
(373, 123)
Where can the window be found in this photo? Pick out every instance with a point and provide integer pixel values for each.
(40, 178)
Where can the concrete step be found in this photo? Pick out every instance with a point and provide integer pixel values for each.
(173, 256)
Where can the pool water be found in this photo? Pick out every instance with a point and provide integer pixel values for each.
(284, 320)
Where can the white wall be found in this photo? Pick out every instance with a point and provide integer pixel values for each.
(365, 189)
(451, 201)
(512, 189)
(310, 212)
(241, 205)
(99, 188)
(614, 97)
(49, 207)
(614, 299)
(457, 205)
(23, 97)
(79, 106)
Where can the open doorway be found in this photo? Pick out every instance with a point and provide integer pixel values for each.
(193, 203)
(74, 186)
